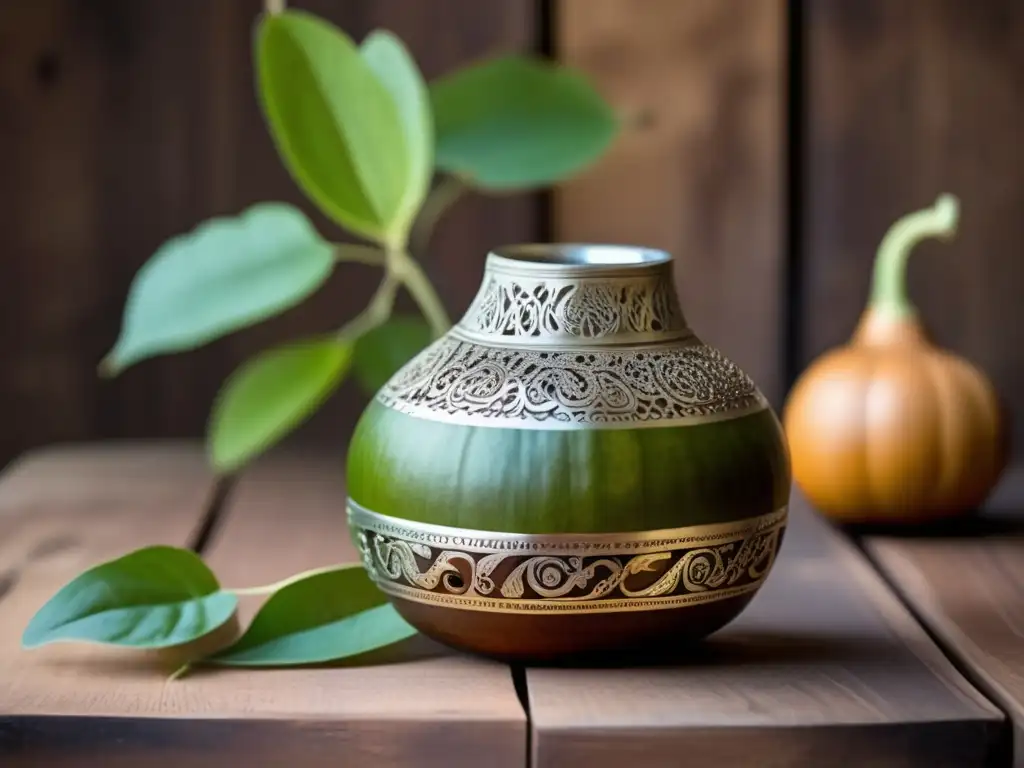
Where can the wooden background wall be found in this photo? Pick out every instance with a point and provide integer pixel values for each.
(771, 144)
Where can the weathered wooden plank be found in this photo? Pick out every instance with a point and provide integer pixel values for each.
(425, 706)
(825, 668)
(906, 100)
(699, 172)
(73, 705)
(125, 123)
(967, 586)
(62, 511)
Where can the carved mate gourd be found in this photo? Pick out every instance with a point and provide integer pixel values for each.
(569, 469)
(889, 427)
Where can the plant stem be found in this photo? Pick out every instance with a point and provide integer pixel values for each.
(180, 672)
(360, 254)
(889, 283)
(278, 585)
(274, 6)
(420, 288)
(441, 198)
(376, 312)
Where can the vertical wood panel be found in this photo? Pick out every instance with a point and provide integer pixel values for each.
(907, 100)
(699, 173)
(124, 123)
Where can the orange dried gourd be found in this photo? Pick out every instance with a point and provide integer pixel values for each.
(889, 427)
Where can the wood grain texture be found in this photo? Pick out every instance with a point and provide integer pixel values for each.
(415, 704)
(907, 100)
(824, 668)
(699, 171)
(73, 705)
(126, 123)
(61, 511)
(967, 586)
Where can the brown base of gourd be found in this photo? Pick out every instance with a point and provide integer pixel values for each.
(586, 637)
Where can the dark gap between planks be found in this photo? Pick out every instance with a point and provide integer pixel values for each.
(521, 685)
(213, 515)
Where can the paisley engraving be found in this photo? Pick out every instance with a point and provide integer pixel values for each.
(537, 310)
(465, 382)
(596, 573)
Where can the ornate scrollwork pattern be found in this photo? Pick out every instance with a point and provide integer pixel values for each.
(511, 573)
(461, 381)
(524, 310)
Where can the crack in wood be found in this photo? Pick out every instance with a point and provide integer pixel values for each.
(8, 579)
(213, 515)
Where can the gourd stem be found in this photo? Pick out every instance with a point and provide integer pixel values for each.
(889, 286)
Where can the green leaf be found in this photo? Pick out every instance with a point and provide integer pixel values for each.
(270, 395)
(335, 125)
(226, 274)
(151, 598)
(397, 71)
(515, 122)
(327, 616)
(382, 351)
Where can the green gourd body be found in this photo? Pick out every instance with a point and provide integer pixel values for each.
(567, 481)
(570, 469)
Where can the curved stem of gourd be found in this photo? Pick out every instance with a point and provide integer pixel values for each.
(889, 283)
(274, 6)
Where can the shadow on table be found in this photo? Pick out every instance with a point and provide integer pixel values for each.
(119, 664)
(737, 648)
(1002, 515)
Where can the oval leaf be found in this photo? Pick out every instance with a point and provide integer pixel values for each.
(328, 616)
(398, 73)
(335, 125)
(379, 353)
(226, 274)
(514, 123)
(155, 597)
(270, 395)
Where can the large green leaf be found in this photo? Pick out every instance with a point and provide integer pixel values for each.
(226, 274)
(151, 598)
(272, 394)
(382, 351)
(397, 71)
(328, 616)
(515, 122)
(335, 125)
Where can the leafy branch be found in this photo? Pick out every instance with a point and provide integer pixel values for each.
(161, 597)
(363, 137)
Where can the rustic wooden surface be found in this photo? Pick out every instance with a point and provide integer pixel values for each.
(966, 583)
(700, 173)
(825, 668)
(124, 123)
(78, 705)
(906, 100)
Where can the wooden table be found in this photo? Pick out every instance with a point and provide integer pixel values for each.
(828, 667)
